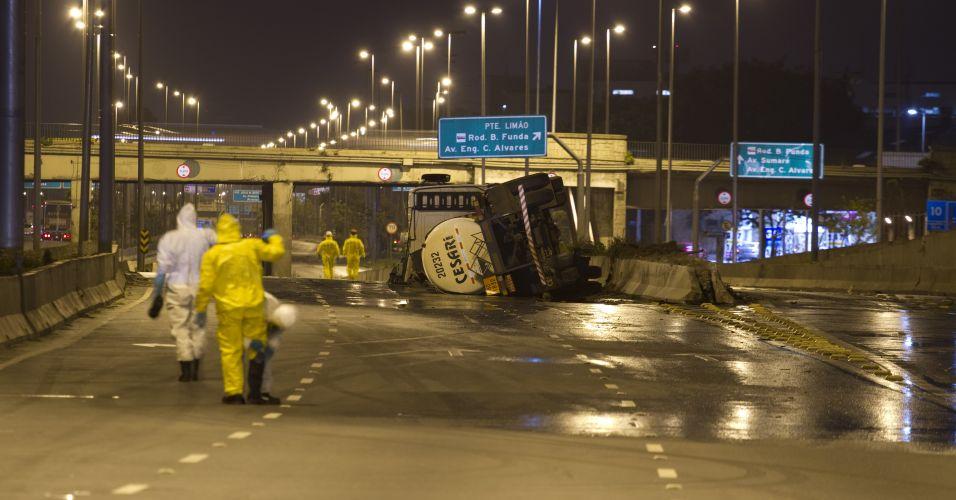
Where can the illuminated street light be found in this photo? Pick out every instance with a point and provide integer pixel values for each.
(669, 208)
(407, 46)
(364, 54)
(470, 10)
(99, 13)
(685, 9)
(446, 81)
(324, 102)
(76, 12)
(80, 25)
(496, 11)
(585, 40)
(439, 33)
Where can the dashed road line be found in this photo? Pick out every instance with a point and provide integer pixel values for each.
(307, 380)
(239, 435)
(258, 424)
(595, 370)
(193, 458)
(627, 403)
(324, 353)
(130, 489)
(316, 365)
(293, 397)
(329, 341)
(667, 473)
(654, 448)
(272, 415)
(611, 386)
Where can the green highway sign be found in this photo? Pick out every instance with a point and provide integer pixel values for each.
(776, 160)
(493, 137)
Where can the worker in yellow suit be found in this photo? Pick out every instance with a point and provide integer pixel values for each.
(329, 251)
(231, 273)
(354, 251)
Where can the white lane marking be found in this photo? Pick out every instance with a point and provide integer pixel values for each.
(130, 489)
(239, 435)
(316, 365)
(326, 305)
(293, 397)
(299, 389)
(307, 381)
(667, 473)
(324, 353)
(155, 345)
(554, 336)
(162, 470)
(219, 444)
(330, 341)
(567, 346)
(272, 416)
(611, 386)
(333, 329)
(673, 486)
(59, 396)
(582, 357)
(193, 458)
(654, 448)
(258, 424)
(285, 406)
(595, 370)
(627, 403)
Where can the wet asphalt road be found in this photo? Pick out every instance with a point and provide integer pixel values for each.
(409, 394)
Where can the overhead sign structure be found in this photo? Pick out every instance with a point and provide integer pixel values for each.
(246, 195)
(493, 137)
(776, 160)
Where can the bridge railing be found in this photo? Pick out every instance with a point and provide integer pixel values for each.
(397, 140)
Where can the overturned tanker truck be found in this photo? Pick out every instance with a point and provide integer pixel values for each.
(516, 238)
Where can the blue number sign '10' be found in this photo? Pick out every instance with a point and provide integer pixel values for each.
(493, 137)
(776, 160)
(937, 216)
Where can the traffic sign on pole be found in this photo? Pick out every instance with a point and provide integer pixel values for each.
(936, 215)
(493, 137)
(776, 160)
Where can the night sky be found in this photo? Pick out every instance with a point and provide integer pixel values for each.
(267, 63)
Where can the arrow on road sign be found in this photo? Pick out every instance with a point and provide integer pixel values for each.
(144, 241)
(536, 136)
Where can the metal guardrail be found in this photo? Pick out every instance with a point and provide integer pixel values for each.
(681, 151)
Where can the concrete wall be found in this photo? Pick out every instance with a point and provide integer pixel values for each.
(922, 266)
(45, 298)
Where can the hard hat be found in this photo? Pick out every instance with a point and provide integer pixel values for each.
(328, 233)
(284, 316)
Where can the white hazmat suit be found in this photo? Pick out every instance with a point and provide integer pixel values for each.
(179, 255)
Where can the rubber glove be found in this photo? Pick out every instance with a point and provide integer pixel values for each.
(268, 234)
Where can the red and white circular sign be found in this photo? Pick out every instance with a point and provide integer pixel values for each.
(384, 174)
(724, 197)
(183, 171)
(808, 200)
(391, 228)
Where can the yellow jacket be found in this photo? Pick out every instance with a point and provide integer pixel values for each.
(231, 271)
(353, 247)
(328, 248)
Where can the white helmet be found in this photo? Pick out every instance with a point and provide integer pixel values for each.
(328, 233)
(284, 316)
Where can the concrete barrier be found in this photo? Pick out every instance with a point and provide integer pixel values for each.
(917, 266)
(665, 281)
(46, 297)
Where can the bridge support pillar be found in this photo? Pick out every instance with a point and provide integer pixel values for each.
(76, 187)
(282, 222)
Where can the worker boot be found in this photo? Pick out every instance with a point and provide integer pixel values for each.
(269, 399)
(233, 399)
(195, 370)
(256, 368)
(186, 370)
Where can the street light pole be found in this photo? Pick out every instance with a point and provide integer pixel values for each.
(668, 218)
(554, 70)
(574, 87)
(607, 76)
(141, 156)
(107, 159)
(86, 144)
(817, 160)
(586, 216)
(658, 149)
(736, 122)
(880, 124)
(37, 115)
(12, 124)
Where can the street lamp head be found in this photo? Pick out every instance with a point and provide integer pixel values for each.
(192, 101)
(332, 142)
(446, 81)
(887, 220)
(80, 25)
(371, 123)
(364, 54)
(99, 13)
(119, 104)
(441, 100)
(313, 125)
(619, 29)
(908, 218)
(121, 66)
(912, 111)
(371, 107)
(129, 76)
(352, 134)
(301, 130)
(324, 102)
(390, 112)
(177, 93)
(470, 10)
(323, 121)
(160, 86)
(289, 134)
(76, 12)
(585, 40)
(329, 106)
(412, 38)
(444, 91)
(362, 130)
(271, 144)
(386, 81)
(116, 55)
(496, 11)
(344, 137)
(355, 103)
(685, 9)
(281, 140)
(428, 45)
(407, 46)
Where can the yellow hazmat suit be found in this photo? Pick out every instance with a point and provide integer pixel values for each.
(231, 273)
(354, 251)
(329, 251)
